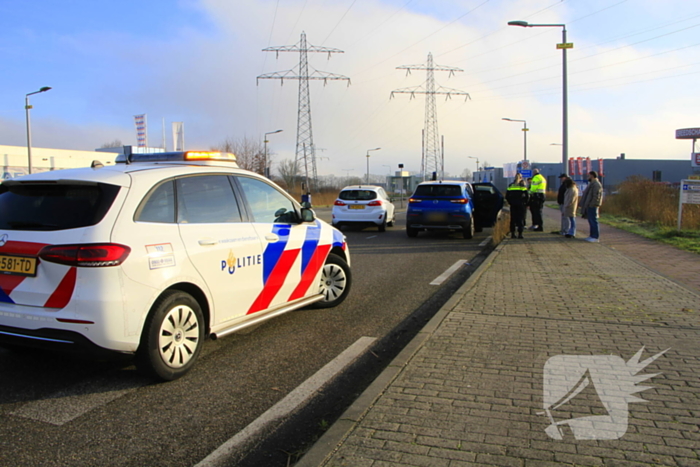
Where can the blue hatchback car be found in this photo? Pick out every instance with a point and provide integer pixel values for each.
(453, 205)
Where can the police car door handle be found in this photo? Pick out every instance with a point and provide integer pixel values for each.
(208, 242)
(272, 238)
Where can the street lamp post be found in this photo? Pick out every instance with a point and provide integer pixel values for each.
(525, 130)
(266, 169)
(477, 161)
(565, 105)
(375, 149)
(29, 129)
(477, 164)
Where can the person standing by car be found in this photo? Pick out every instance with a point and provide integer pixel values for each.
(568, 208)
(538, 187)
(517, 196)
(590, 203)
(560, 202)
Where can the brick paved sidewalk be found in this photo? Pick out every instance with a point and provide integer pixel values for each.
(469, 390)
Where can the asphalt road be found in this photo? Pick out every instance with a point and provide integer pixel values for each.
(58, 411)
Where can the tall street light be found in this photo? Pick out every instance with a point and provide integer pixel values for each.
(266, 169)
(29, 130)
(375, 149)
(565, 106)
(525, 130)
(477, 161)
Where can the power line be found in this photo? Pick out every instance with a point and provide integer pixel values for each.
(339, 21)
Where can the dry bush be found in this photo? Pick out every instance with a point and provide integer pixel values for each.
(323, 198)
(656, 203)
(502, 227)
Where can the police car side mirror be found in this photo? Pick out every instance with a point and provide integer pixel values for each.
(307, 215)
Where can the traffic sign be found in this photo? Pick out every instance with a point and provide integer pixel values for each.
(526, 173)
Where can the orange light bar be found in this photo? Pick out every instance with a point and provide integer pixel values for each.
(210, 156)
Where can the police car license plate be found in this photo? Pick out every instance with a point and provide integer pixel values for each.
(357, 206)
(18, 265)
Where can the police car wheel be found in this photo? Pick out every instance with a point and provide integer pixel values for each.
(172, 337)
(336, 280)
(382, 226)
(468, 231)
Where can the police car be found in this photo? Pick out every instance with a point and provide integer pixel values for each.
(155, 254)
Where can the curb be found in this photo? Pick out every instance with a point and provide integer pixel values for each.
(338, 432)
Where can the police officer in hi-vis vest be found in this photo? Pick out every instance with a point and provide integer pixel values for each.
(517, 197)
(538, 186)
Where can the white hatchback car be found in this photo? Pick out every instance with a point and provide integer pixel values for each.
(363, 205)
(152, 256)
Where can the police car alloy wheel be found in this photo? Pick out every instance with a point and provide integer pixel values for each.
(336, 280)
(172, 338)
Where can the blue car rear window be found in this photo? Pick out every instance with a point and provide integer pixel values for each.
(438, 190)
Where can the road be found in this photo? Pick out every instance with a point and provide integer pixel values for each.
(59, 411)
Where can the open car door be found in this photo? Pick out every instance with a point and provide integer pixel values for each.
(488, 202)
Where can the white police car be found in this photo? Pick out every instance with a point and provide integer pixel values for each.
(155, 254)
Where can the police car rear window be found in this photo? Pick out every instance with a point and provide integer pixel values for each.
(438, 190)
(358, 195)
(54, 206)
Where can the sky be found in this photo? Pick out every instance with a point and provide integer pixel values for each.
(632, 76)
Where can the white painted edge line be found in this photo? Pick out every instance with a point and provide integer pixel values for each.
(287, 405)
(443, 277)
(485, 242)
(373, 236)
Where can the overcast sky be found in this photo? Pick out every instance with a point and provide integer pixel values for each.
(632, 76)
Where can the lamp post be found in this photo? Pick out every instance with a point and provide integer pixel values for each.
(375, 149)
(565, 105)
(266, 169)
(525, 130)
(29, 130)
(477, 161)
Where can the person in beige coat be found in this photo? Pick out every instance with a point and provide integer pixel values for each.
(569, 208)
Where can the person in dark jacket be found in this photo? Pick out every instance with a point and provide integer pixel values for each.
(560, 201)
(517, 197)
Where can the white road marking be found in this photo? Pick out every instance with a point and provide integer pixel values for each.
(485, 242)
(287, 405)
(66, 405)
(373, 236)
(445, 275)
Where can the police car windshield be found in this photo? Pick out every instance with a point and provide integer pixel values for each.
(438, 190)
(358, 195)
(54, 206)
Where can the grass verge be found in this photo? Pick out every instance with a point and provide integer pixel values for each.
(688, 240)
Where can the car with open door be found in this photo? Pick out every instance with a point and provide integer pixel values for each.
(452, 206)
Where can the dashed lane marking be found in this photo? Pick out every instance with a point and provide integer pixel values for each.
(287, 405)
(68, 404)
(451, 270)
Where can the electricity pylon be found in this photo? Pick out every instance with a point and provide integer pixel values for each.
(432, 158)
(305, 150)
